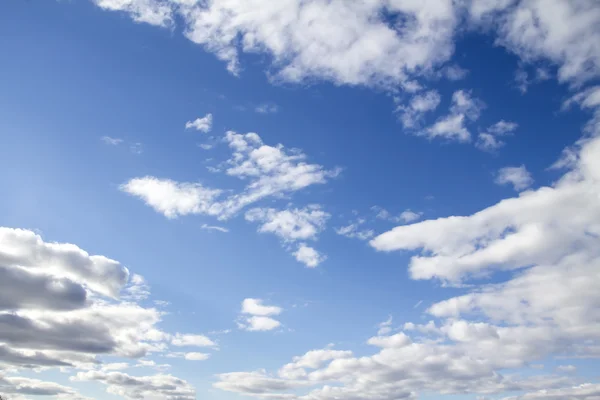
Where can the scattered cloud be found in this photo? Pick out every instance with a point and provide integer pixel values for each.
(464, 108)
(266, 108)
(309, 256)
(214, 228)
(136, 148)
(182, 340)
(490, 140)
(258, 317)
(385, 327)
(269, 171)
(420, 104)
(404, 217)
(111, 141)
(203, 124)
(518, 177)
(293, 225)
(354, 231)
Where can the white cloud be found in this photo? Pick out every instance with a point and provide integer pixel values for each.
(518, 177)
(173, 198)
(292, 224)
(259, 324)
(464, 108)
(409, 216)
(405, 216)
(567, 368)
(266, 108)
(182, 340)
(587, 391)
(353, 230)
(111, 141)
(256, 307)
(308, 256)
(205, 146)
(490, 139)
(385, 327)
(419, 105)
(257, 316)
(214, 228)
(190, 356)
(203, 124)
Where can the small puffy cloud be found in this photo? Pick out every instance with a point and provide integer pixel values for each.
(257, 316)
(203, 124)
(256, 307)
(409, 216)
(308, 256)
(518, 177)
(259, 324)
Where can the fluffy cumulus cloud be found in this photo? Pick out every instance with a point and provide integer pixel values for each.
(291, 226)
(518, 177)
(61, 307)
(547, 241)
(268, 171)
(203, 124)
(255, 316)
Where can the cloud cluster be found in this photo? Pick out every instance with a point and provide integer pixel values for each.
(61, 307)
(380, 42)
(547, 240)
(270, 171)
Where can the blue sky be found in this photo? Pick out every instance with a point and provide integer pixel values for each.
(289, 209)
